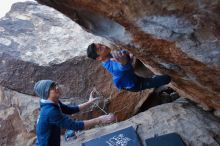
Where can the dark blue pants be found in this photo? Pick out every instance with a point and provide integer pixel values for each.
(147, 83)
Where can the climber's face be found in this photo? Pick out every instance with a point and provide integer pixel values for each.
(103, 52)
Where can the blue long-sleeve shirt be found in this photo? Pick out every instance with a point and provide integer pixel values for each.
(51, 119)
(123, 75)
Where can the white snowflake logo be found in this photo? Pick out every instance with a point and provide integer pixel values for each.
(119, 140)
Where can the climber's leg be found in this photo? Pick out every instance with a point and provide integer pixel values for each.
(155, 82)
(147, 83)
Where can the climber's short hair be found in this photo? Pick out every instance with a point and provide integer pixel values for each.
(91, 51)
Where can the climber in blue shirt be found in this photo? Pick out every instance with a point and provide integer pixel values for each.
(119, 64)
(53, 114)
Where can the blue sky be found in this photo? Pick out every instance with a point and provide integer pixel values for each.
(5, 6)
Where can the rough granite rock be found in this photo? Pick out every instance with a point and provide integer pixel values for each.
(175, 37)
(18, 114)
(42, 35)
(195, 126)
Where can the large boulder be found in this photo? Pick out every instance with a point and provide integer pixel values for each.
(38, 42)
(195, 126)
(179, 38)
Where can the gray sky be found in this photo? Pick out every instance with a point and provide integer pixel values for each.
(5, 6)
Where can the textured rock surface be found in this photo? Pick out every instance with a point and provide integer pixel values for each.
(195, 126)
(41, 35)
(18, 114)
(180, 38)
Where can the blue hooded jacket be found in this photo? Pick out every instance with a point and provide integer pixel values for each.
(123, 75)
(52, 117)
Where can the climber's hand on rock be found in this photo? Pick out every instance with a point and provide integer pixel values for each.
(105, 119)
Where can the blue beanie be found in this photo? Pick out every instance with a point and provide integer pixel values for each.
(42, 87)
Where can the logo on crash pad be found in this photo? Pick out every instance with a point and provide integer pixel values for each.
(119, 140)
(123, 137)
